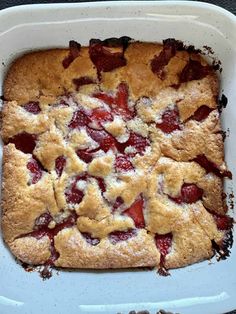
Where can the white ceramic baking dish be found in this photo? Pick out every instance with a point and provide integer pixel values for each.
(198, 289)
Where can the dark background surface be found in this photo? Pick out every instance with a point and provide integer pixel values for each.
(229, 5)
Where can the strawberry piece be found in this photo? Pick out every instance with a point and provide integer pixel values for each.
(119, 201)
(100, 114)
(202, 113)
(73, 53)
(105, 140)
(25, 142)
(138, 142)
(209, 166)
(79, 119)
(86, 155)
(190, 193)
(163, 243)
(73, 194)
(103, 59)
(42, 221)
(35, 169)
(123, 163)
(121, 101)
(83, 80)
(89, 239)
(60, 163)
(118, 236)
(194, 70)
(223, 222)
(159, 62)
(101, 184)
(135, 211)
(32, 107)
(170, 121)
(109, 100)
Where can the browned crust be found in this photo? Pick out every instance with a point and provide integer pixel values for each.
(40, 76)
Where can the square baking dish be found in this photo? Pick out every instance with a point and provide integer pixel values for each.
(197, 289)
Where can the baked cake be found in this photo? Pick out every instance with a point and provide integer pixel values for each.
(114, 157)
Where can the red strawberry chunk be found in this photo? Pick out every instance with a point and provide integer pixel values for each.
(35, 169)
(118, 236)
(42, 221)
(190, 193)
(101, 184)
(109, 100)
(89, 239)
(79, 119)
(60, 163)
(32, 107)
(202, 113)
(25, 142)
(73, 194)
(138, 142)
(135, 211)
(170, 121)
(123, 163)
(105, 140)
(223, 222)
(104, 59)
(73, 53)
(159, 62)
(121, 102)
(209, 166)
(86, 155)
(100, 114)
(119, 201)
(83, 80)
(164, 243)
(194, 70)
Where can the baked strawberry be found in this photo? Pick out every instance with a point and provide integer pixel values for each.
(163, 243)
(135, 211)
(223, 222)
(83, 80)
(138, 142)
(105, 140)
(209, 166)
(42, 221)
(109, 100)
(201, 113)
(190, 193)
(32, 107)
(119, 201)
(123, 163)
(79, 119)
(118, 236)
(73, 194)
(35, 170)
(103, 58)
(25, 142)
(121, 102)
(101, 115)
(60, 163)
(86, 155)
(170, 121)
(89, 239)
(73, 53)
(194, 70)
